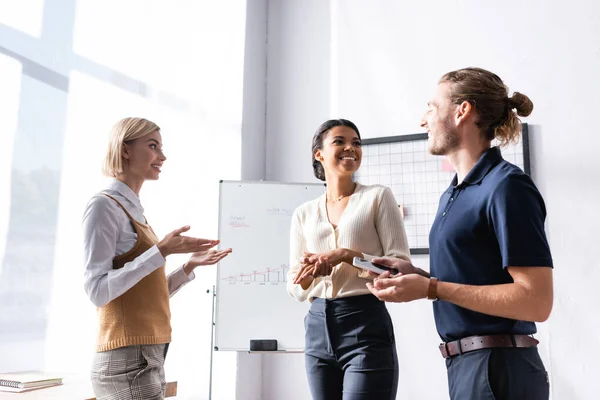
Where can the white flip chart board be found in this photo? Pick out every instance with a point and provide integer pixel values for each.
(251, 297)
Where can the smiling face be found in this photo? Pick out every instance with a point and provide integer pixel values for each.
(341, 152)
(439, 122)
(143, 157)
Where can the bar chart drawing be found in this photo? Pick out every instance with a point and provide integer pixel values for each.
(269, 275)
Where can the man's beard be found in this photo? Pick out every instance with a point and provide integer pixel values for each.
(444, 143)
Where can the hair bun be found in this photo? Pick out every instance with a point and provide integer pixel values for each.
(521, 103)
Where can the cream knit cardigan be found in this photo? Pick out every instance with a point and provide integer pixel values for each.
(371, 224)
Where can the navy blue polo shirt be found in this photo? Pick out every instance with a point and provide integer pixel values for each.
(492, 220)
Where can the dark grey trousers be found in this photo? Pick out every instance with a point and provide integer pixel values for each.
(350, 350)
(498, 374)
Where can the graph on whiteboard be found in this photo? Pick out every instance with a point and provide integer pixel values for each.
(418, 178)
(268, 276)
(264, 270)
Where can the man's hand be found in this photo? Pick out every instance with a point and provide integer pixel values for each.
(404, 267)
(399, 289)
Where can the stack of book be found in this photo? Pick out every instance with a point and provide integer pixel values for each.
(24, 381)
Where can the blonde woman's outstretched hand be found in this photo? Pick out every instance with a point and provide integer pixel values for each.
(176, 243)
(209, 257)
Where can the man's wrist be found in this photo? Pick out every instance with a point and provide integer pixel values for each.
(432, 289)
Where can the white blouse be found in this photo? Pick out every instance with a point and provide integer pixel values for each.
(107, 233)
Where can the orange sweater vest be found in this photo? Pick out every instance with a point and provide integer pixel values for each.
(141, 315)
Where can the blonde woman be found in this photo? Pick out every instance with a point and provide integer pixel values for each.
(124, 268)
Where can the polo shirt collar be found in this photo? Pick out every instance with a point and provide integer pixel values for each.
(485, 163)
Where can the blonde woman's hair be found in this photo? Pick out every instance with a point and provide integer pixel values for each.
(125, 130)
(485, 91)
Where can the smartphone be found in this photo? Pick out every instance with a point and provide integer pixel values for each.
(368, 265)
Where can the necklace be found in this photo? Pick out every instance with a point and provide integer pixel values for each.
(339, 198)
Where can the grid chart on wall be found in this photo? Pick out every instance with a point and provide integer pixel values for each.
(418, 178)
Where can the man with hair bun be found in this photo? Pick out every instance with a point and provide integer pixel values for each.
(490, 264)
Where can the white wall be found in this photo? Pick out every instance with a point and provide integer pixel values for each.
(297, 84)
(377, 63)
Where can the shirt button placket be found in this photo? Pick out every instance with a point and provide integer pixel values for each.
(329, 287)
(450, 201)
